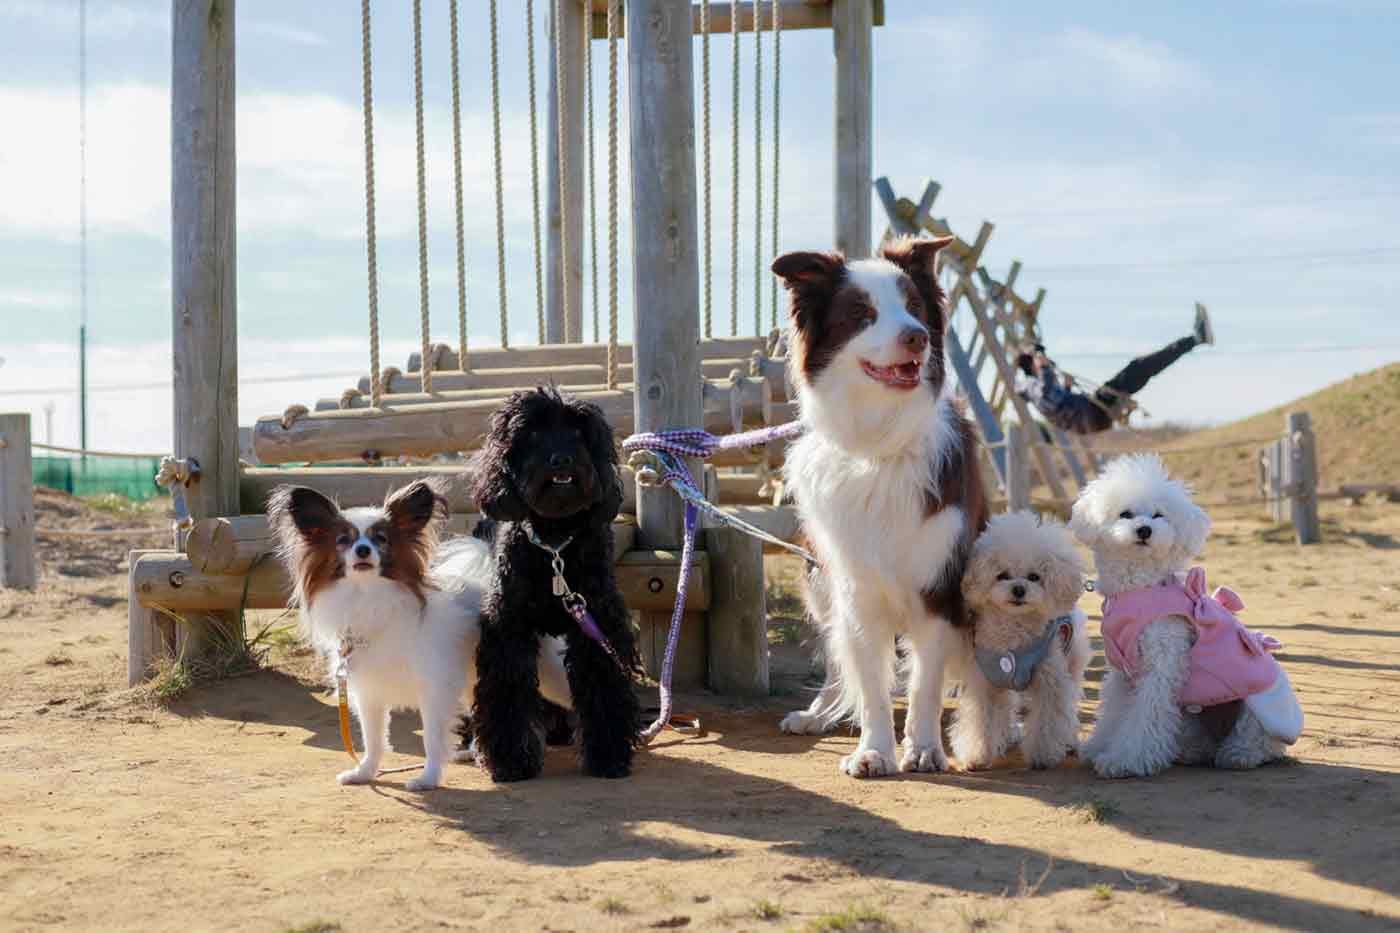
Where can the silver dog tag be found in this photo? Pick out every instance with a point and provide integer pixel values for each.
(560, 587)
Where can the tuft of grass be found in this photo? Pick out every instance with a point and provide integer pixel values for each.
(1102, 892)
(315, 926)
(58, 658)
(857, 917)
(613, 905)
(1095, 810)
(767, 910)
(120, 506)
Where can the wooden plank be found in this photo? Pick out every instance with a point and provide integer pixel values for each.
(797, 14)
(564, 246)
(204, 261)
(167, 579)
(853, 23)
(18, 568)
(1018, 481)
(355, 486)
(595, 354)
(576, 377)
(422, 430)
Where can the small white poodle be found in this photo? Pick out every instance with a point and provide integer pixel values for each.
(1188, 682)
(1022, 583)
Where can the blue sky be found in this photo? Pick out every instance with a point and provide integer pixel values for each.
(1136, 159)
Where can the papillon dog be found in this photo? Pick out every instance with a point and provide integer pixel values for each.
(379, 595)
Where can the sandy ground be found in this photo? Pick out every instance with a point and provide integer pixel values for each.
(220, 811)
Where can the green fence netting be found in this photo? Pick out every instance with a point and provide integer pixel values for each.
(133, 477)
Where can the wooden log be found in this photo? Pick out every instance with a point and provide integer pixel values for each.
(235, 544)
(738, 622)
(354, 486)
(578, 377)
(422, 430)
(780, 521)
(18, 568)
(204, 260)
(852, 21)
(595, 354)
(146, 639)
(564, 244)
(797, 14)
(1300, 474)
(166, 579)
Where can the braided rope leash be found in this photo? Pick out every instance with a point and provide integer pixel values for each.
(666, 449)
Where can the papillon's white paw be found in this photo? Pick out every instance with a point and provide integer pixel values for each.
(801, 722)
(867, 763)
(923, 758)
(357, 775)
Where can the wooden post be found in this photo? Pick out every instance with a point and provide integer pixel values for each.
(203, 241)
(738, 630)
(145, 633)
(17, 567)
(666, 269)
(1300, 477)
(852, 23)
(565, 271)
(1018, 484)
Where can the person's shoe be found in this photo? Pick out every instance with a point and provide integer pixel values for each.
(1204, 332)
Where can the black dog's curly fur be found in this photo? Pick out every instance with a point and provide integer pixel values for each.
(537, 431)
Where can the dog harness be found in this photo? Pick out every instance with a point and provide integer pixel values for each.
(1013, 670)
(1228, 661)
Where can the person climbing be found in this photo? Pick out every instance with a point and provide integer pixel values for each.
(1054, 393)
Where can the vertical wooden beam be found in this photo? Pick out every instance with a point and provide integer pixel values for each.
(145, 633)
(1018, 479)
(852, 23)
(1300, 469)
(203, 245)
(665, 266)
(564, 273)
(738, 629)
(17, 567)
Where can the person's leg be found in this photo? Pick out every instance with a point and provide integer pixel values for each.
(1139, 372)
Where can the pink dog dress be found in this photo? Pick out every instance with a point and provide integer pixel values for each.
(1228, 661)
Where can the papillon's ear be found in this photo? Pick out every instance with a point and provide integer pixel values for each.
(494, 489)
(416, 506)
(300, 510)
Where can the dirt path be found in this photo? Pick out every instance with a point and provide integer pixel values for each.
(221, 812)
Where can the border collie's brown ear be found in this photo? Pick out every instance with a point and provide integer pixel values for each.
(416, 506)
(802, 269)
(915, 256)
(302, 510)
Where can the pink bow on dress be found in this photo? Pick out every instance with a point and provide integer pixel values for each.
(1219, 605)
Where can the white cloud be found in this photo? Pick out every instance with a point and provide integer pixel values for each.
(1132, 63)
(105, 21)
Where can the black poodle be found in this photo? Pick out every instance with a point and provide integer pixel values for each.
(548, 476)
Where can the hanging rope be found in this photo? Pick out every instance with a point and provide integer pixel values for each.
(496, 164)
(734, 174)
(592, 171)
(705, 161)
(777, 25)
(427, 370)
(375, 384)
(612, 192)
(758, 167)
(457, 175)
(561, 97)
(534, 165)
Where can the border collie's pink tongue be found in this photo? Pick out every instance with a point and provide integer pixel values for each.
(897, 376)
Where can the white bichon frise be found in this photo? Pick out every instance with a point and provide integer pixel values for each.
(1188, 682)
(1022, 583)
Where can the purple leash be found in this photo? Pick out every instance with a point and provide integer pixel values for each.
(574, 603)
(669, 447)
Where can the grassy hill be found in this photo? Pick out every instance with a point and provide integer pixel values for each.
(1357, 424)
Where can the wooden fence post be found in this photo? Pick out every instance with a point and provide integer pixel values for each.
(1018, 484)
(852, 22)
(564, 273)
(1300, 477)
(17, 567)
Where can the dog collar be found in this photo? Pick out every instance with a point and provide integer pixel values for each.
(1013, 670)
(574, 603)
